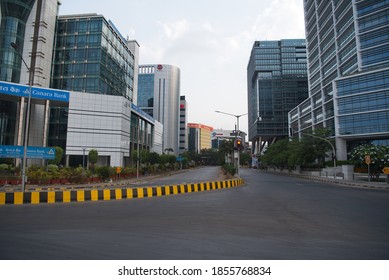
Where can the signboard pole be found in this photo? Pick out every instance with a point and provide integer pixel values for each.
(368, 161)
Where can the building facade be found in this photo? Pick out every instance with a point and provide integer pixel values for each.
(348, 64)
(276, 82)
(199, 137)
(92, 56)
(159, 96)
(30, 26)
(93, 74)
(183, 124)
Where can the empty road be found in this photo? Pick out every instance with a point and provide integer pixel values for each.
(271, 217)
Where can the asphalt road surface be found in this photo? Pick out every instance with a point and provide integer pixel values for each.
(271, 217)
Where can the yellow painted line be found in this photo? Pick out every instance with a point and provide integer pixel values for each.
(208, 186)
(118, 193)
(167, 190)
(107, 194)
(18, 198)
(175, 189)
(2, 198)
(159, 191)
(149, 192)
(66, 196)
(50, 197)
(182, 188)
(130, 193)
(80, 196)
(196, 187)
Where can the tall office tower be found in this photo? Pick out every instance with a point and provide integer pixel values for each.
(276, 83)
(92, 56)
(30, 25)
(94, 61)
(183, 124)
(159, 96)
(348, 66)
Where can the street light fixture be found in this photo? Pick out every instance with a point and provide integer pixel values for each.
(238, 133)
(26, 126)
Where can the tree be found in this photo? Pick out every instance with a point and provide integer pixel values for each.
(314, 145)
(245, 158)
(144, 156)
(276, 154)
(154, 158)
(379, 157)
(58, 156)
(93, 156)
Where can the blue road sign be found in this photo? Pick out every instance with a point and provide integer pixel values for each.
(32, 152)
(37, 92)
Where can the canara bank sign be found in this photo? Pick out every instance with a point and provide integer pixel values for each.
(40, 93)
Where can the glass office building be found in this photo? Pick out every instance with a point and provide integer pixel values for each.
(92, 56)
(30, 25)
(276, 82)
(348, 62)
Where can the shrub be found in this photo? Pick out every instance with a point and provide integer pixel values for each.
(229, 168)
(105, 172)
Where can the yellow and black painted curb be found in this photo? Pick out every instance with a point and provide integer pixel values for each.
(66, 196)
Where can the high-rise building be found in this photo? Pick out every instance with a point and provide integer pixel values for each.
(30, 26)
(348, 66)
(199, 137)
(159, 96)
(183, 124)
(276, 82)
(92, 56)
(93, 70)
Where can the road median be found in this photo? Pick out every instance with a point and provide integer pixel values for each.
(82, 195)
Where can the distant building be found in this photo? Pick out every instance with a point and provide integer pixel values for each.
(199, 137)
(348, 65)
(276, 82)
(159, 96)
(183, 124)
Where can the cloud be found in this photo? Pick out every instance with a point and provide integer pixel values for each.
(175, 30)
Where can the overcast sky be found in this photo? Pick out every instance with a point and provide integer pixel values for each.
(209, 40)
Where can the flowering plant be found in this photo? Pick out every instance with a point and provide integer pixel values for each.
(379, 157)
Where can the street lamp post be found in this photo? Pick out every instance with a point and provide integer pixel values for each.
(238, 132)
(26, 126)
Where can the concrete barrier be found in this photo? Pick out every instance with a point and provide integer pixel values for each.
(67, 196)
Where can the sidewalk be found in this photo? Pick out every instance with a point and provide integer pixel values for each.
(338, 180)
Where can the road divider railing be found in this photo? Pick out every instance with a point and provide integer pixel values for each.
(67, 196)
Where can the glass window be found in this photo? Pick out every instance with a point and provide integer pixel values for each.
(82, 26)
(81, 41)
(95, 25)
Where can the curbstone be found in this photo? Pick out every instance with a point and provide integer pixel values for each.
(77, 195)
